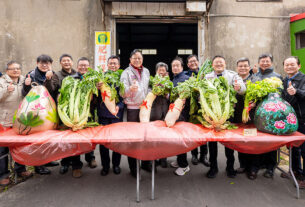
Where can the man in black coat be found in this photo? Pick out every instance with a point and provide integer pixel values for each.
(193, 65)
(294, 93)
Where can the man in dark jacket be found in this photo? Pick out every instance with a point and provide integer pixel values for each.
(266, 70)
(179, 76)
(105, 118)
(53, 84)
(193, 65)
(248, 162)
(294, 93)
(38, 75)
(83, 64)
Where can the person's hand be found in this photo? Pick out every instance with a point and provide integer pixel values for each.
(236, 86)
(11, 87)
(28, 80)
(49, 75)
(99, 85)
(255, 69)
(116, 111)
(134, 87)
(291, 90)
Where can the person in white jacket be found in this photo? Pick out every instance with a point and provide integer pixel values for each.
(10, 98)
(136, 82)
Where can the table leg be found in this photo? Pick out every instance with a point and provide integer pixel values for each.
(153, 181)
(291, 172)
(138, 180)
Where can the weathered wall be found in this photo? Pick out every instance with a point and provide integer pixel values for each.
(243, 36)
(29, 28)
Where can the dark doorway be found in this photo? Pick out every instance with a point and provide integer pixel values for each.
(161, 41)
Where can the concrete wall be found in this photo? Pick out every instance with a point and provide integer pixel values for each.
(238, 29)
(29, 28)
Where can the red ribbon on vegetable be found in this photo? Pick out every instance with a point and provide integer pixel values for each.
(172, 106)
(144, 104)
(104, 95)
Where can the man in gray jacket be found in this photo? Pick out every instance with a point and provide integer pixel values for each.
(136, 82)
(219, 66)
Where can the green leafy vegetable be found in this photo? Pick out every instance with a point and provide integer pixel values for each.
(161, 86)
(257, 91)
(217, 100)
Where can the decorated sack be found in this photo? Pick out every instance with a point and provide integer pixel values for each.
(275, 116)
(37, 112)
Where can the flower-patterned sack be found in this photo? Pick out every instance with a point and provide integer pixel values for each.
(275, 116)
(37, 112)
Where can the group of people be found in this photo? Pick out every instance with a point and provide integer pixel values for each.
(13, 87)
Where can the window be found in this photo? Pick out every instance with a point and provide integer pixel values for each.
(149, 51)
(259, 0)
(185, 51)
(300, 40)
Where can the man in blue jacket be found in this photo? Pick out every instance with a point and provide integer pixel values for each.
(193, 65)
(105, 118)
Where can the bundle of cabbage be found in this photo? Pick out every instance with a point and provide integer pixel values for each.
(74, 102)
(217, 101)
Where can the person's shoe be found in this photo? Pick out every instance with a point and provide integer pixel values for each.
(147, 167)
(241, 170)
(212, 173)
(182, 170)
(77, 173)
(174, 164)
(231, 173)
(42, 170)
(163, 163)
(92, 164)
(5, 182)
(116, 170)
(195, 160)
(52, 164)
(104, 171)
(63, 169)
(252, 175)
(268, 174)
(204, 160)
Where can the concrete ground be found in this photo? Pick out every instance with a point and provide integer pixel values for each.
(192, 190)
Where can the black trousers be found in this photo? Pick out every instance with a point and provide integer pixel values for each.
(243, 159)
(4, 172)
(133, 116)
(89, 156)
(104, 152)
(297, 153)
(74, 161)
(214, 153)
(203, 150)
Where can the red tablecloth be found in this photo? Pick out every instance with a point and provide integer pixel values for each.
(145, 141)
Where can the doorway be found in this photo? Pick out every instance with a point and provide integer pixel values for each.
(159, 42)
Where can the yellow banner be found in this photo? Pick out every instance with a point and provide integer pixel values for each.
(102, 38)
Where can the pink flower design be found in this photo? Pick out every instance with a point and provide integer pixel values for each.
(279, 124)
(38, 107)
(271, 106)
(291, 118)
(281, 106)
(46, 94)
(20, 105)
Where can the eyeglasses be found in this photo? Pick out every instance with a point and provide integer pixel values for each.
(83, 66)
(136, 58)
(112, 64)
(14, 69)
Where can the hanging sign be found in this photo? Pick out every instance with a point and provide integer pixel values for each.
(102, 49)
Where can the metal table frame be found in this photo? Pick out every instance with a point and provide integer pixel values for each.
(290, 169)
(153, 175)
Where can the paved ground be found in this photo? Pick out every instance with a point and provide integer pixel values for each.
(192, 190)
